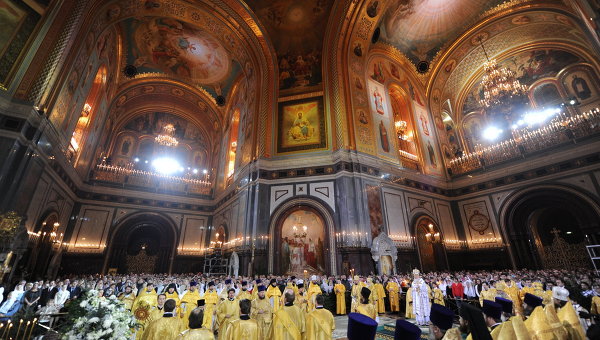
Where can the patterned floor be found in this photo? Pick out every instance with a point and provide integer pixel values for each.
(341, 325)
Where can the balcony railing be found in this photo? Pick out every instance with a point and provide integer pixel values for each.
(150, 180)
(564, 129)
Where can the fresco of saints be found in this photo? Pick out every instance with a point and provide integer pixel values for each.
(424, 124)
(378, 100)
(301, 128)
(431, 154)
(385, 143)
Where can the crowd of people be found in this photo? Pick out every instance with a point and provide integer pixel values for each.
(193, 306)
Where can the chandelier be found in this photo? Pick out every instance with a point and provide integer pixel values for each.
(166, 138)
(499, 85)
(502, 91)
(432, 236)
(401, 127)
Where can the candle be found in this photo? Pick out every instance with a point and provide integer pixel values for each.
(31, 329)
(19, 329)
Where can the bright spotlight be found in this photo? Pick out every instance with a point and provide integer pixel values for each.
(136, 159)
(165, 165)
(195, 171)
(572, 101)
(491, 133)
(539, 117)
(204, 171)
(515, 126)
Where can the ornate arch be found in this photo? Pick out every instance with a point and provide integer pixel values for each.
(512, 200)
(323, 211)
(132, 218)
(421, 220)
(452, 73)
(244, 38)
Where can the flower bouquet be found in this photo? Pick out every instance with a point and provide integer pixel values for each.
(91, 317)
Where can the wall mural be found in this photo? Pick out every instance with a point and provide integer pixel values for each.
(432, 161)
(303, 248)
(136, 139)
(17, 22)
(530, 66)
(174, 47)
(375, 210)
(153, 123)
(582, 83)
(296, 29)
(301, 125)
(378, 102)
(420, 29)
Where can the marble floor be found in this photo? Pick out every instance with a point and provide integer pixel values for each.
(341, 325)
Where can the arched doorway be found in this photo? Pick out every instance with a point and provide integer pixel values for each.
(42, 251)
(538, 218)
(220, 237)
(300, 239)
(430, 244)
(143, 243)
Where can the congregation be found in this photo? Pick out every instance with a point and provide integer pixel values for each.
(495, 305)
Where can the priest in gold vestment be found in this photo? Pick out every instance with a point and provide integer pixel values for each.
(227, 312)
(380, 296)
(244, 328)
(166, 327)
(340, 297)
(274, 295)
(147, 295)
(365, 307)
(127, 297)
(195, 331)
(393, 293)
(157, 311)
(211, 298)
(356, 287)
(171, 293)
(313, 290)
(301, 299)
(319, 323)
(244, 294)
(288, 322)
(189, 301)
(262, 311)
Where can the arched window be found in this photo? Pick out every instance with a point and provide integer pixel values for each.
(85, 119)
(232, 144)
(405, 129)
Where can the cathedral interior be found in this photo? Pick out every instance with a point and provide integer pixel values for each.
(157, 136)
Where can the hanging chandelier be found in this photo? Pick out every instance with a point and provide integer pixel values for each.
(166, 138)
(501, 88)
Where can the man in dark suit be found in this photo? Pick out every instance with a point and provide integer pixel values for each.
(74, 290)
(48, 293)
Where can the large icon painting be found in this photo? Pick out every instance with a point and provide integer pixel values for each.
(301, 125)
(303, 243)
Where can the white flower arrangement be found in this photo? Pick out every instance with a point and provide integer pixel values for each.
(94, 318)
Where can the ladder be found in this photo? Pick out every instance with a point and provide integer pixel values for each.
(594, 253)
(214, 263)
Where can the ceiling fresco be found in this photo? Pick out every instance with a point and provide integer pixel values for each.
(420, 29)
(296, 29)
(529, 67)
(166, 45)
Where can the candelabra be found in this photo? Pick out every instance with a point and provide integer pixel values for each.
(352, 239)
(432, 236)
(560, 130)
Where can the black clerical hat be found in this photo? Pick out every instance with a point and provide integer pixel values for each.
(406, 331)
(361, 327)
